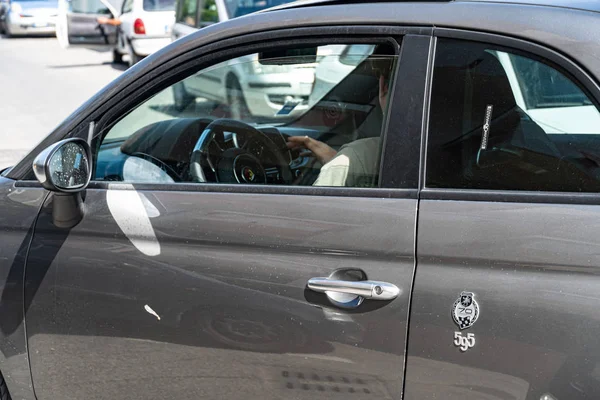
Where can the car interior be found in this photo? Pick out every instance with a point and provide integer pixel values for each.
(511, 151)
(216, 148)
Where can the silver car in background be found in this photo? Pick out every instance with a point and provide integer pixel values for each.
(250, 88)
(28, 17)
(244, 84)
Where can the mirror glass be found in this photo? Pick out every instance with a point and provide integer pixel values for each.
(69, 166)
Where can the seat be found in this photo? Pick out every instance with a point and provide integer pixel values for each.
(517, 153)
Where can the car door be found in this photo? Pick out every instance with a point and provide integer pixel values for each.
(77, 24)
(505, 302)
(126, 26)
(181, 290)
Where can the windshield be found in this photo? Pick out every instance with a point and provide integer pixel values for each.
(159, 5)
(237, 8)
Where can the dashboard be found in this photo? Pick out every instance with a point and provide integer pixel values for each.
(161, 153)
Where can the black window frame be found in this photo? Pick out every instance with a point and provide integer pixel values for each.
(204, 56)
(531, 50)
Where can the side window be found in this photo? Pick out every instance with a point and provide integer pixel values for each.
(208, 13)
(158, 5)
(238, 8)
(501, 119)
(88, 7)
(284, 117)
(127, 6)
(187, 12)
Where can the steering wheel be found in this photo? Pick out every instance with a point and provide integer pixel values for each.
(213, 160)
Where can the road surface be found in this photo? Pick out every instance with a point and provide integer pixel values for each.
(40, 85)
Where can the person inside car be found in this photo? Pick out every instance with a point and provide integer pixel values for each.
(356, 164)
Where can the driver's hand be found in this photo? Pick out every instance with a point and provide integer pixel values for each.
(313, 147)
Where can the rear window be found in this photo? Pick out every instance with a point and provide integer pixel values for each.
(159, 5)
(237, 8)
(544, 87)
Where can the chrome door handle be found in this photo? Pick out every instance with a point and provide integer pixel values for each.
(373, 290)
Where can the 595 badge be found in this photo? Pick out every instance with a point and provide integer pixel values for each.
(465, 312)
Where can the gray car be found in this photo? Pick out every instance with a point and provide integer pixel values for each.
(28, 17)
(437, 242)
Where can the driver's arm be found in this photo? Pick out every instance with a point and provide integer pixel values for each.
(356, 165)
(108, 21)
(321, 151)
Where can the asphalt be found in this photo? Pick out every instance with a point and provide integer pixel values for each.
(40, 85)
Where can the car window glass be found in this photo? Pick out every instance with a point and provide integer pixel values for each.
(127, 6)
(237, 8)
(187, 12)
(158, 5)
(208, 13)
(88, 7)
(232, 122)
(505, 120)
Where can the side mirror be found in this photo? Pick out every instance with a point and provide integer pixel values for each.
(65, 166)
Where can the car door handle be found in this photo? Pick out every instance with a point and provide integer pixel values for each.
(373, 290)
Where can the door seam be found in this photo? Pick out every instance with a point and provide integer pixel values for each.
(422, 159)
(33, 228)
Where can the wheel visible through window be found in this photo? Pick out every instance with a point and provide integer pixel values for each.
(299, 116)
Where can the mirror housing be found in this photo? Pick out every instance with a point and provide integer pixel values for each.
(65, 166)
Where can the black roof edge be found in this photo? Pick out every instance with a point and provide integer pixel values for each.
(583, 5)
(309, 3)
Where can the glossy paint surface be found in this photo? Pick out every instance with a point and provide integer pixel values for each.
(535, 272)
(19, 207)
(202, 295)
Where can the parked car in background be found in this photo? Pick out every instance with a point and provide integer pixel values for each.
(138, 28)
(195, 14)
(251, 89)
(145, 27)
(28, 17)
(340, 62)
(77, 24)
(550, 99)
(248, 88)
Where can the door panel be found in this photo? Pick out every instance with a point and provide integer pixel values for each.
(20, 207)
(534, 271)
(532, 268)
(85, 30)
(187, 295)
(77, 24)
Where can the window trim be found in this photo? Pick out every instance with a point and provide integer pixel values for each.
(404, 129)
(283, 190)
(174, 58)
(573, 71)
(313, 36)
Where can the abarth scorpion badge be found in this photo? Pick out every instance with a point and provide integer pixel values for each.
(465, 312)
